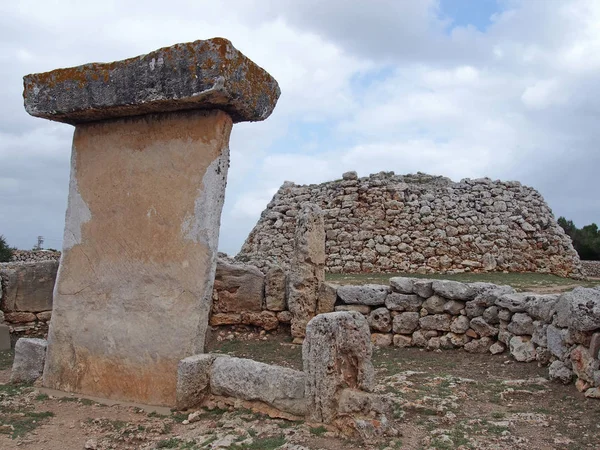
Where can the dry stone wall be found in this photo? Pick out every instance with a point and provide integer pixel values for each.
(418, 224)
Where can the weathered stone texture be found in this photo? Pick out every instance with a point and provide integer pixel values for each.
(336, 355)
(277, 386)
(193, 380)
(28, 364)
(238, 288)
(420, 223)
(134, 291)
(28, 287)
(209, 74)
(307, 271)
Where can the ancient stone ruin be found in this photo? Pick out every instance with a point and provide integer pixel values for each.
(418, 224)
(148, 173)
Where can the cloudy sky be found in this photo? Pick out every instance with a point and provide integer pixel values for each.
(508, 89)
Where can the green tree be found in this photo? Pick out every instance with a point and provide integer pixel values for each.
(586, 240)
(5, 251)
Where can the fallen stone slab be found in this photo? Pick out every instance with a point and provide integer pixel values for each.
(208, 74)
(246, 379)
(28, 365)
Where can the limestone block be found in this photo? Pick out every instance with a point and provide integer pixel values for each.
(516, 302)
(380, 320)
(522, 349)
(382, 339)
(559, 372)
(479, 345)
(363, 309)
(584, 364)
(419, 339)
(367, 294)
(275, 289)
(453, 290)
(423, 288)
(482, 327)
(579, 309)
(44, 316)
(403, 285)
(210, 74)
(490, 315)
(459, 325)
(402, 341)
(239, 288)
(490, 296)
(246, 379)
(496, 348)
(556, 341)
(403, 302)
(326, 298)
(4, 337)
(406, 322)
(434, 304)
(521, 324)
(139, 255)
(29, 286)
(439, 322)
(336, 355)
(28, 364)
(264, 319)
(20, 317)
(219, 319)
(541, 307)
(453, 307)
(193, 380)
(307, 272)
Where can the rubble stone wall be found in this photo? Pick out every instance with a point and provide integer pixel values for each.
(418, 224)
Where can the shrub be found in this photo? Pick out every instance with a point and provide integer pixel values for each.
(585, 240)
(5, 251)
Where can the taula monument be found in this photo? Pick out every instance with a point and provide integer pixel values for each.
(148, 173)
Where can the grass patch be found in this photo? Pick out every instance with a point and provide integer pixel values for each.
(17, 424)
(269, 352)
(42, 397)
(520, 281)
(169, 443)
(6, 359)
(266, 443)
(318, 431)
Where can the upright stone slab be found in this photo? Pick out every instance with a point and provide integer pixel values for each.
(308, 268)
(336, 355)
(148, 174)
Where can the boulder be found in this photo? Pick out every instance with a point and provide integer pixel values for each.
(434, 304)
(579, 309)
(30, 356)
(479, 345)
(584, 365)
(406, 322)
(453, 290)
(482, 327)
(460, 325)
(489, 297)
(541, 306)
(522, 349)
(438, 322)
(453, 307)
(556, 341)
(516, 302)
(558, 371)
(403, 302)
(403, 285)
(521, 324)
(380, 320)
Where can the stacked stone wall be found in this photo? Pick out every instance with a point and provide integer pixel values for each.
(418, 224)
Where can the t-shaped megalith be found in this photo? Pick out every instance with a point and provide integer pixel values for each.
(148, 174)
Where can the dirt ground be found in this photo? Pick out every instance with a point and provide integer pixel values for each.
(443, 400)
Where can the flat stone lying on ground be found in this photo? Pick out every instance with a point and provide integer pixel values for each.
(208, 74)
(246, 379)
(28, 365)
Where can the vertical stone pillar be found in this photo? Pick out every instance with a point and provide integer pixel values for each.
(336, 355)
(307, 271)
(148, 173)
